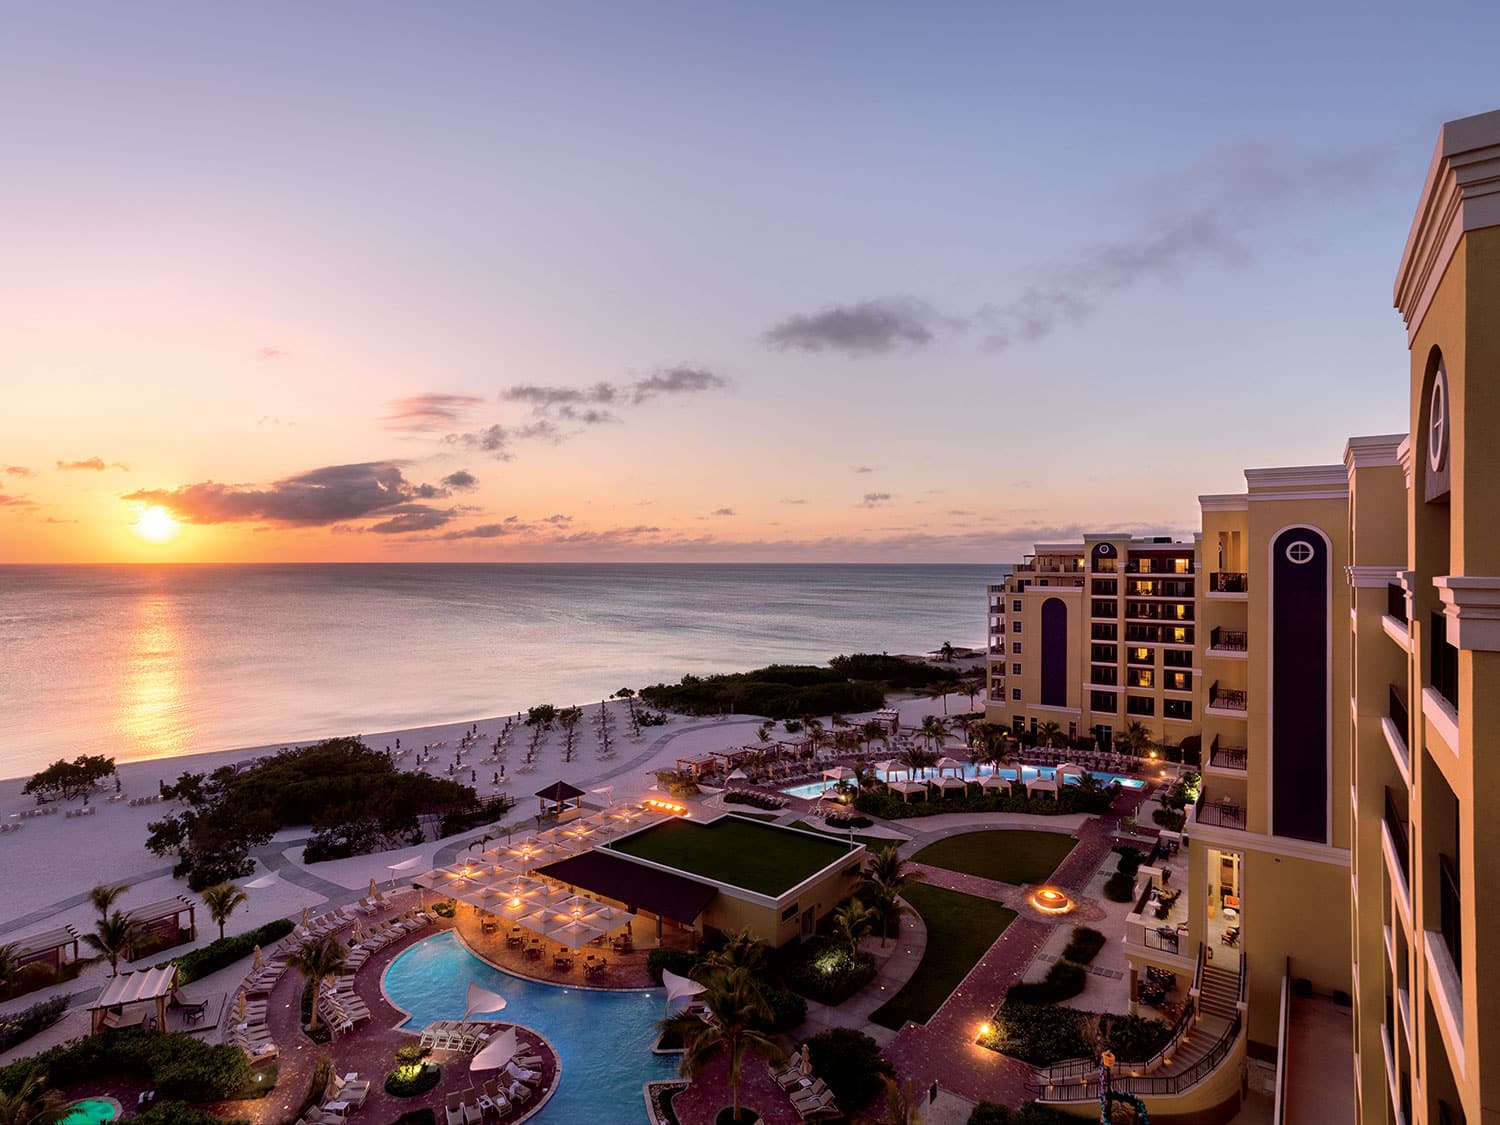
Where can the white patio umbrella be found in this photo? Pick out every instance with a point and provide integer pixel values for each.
(404, 866)
(679, 987)
(482, 1000)
(575, 934)
(737, 775)
(497, 1053)
(263, 882)
(607, 792)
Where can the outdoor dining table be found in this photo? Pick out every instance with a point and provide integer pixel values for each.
(562, 961)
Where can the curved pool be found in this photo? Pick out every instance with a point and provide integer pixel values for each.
(91, 1111)
(604, 1038)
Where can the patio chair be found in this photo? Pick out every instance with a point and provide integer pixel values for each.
(817, 1090)
(825, 1109)
(454, 1109)
(473, 1112)
(518, 1092)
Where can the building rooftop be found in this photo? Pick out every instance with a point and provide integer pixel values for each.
(661, 892)
(749, 854)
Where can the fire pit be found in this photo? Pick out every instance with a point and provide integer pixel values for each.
(1050, 900)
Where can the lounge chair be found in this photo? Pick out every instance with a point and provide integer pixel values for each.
(454, 1109)
(472, 1111)
(519, 1092)
(823, 1107)
(817, 1090)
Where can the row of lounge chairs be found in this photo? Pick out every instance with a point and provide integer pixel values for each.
(372, 904)
(512, 1088)
(454, 1035)
(811, 1098)
(392, 930)
(341, 1095)
(252, 1035)
(323, 924)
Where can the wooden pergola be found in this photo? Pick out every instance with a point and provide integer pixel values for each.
(158, 925)
(149, 986)
(49, 948)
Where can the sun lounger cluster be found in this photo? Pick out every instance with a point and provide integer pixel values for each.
(392, 930)
(341, 1096)
(250, 1033)
(811, 1097)
(341, 1006)
(27, 814)
(137, 802)
(507, 1093)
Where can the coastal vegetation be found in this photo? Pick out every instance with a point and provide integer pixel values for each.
(1043, 1034)
(198, 963)
(894, 672)
(778, 691)
(352, 795)
(17, 1027)
(179, 1067)
(64, 780)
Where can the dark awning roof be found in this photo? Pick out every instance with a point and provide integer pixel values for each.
(636, 885)
(559, 791)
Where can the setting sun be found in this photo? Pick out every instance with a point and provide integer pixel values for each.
(155, 525)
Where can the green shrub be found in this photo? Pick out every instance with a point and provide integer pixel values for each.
(1130, 859)
(1064, 980)
(178, 1113)
(199, 963)
(1084, 946)
(753, 799)
(409, 1081)
(850, 1063)
(823, 970)
(1119, 887)
(1170, 819)
(678, 961)
(835, 820)
(180, 1067)
(788, 1010)
(17, 1027)
(445, 909)
(417, 1117)
(1028, 1113)
(677, 783)
(893, 671)
(779, 691)
(1043, 1034)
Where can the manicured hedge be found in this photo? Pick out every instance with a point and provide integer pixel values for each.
(1070, 800)
(404, 1083)
(822, 969)
(788, 1010)
(1028, 1113)
(199, 963)
(20, 1026)
(1084, 946)
(179, 1113)
(1064, 980)
(753, 799)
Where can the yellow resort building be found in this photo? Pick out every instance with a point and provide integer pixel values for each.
(1343, 660)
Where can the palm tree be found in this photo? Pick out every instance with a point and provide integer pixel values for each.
(221, 900)
(103, 898)
(946, 652)
(865, 776)
(886, 876)
(870, 730)
(814, 729)
(31, 1103)
(1134, 738)
(851, 922)
(763, 732)
(973, 687)
(934, 729)
(111, 939)
(740, 951)
(8, 966)
(917, 758)
(887, 910)
(1048, 733)
(316, 960)
(939, 691)
(738, 1015)
(902, 1103)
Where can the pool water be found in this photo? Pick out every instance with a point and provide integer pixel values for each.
(91, 1111)
(814, 788)
(604, 1038)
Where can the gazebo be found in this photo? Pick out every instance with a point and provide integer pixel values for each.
(945, 764)
(907, 788)
(1067, 770)
(995, 781)
(558, 794)
(159, 925)
(149, 986)
(1040, 784)
(946, 783)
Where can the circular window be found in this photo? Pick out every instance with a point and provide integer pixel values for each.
(1437, 420)
(1300, 552)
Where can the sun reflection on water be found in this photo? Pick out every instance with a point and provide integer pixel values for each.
(151, 715)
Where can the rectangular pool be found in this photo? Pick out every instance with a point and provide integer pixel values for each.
(812, 789)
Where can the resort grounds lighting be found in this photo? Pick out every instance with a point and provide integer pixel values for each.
(1050, 900)
(665, 806)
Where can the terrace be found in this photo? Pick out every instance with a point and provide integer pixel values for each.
(1233, 702)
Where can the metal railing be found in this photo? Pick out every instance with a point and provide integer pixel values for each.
(1228, 757)
(1283, 1021)
(1231, 699)
(1229, 582)
(1164, 1085)
(1230, 640)
(1220, 814)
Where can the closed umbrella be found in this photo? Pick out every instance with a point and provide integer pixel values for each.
(806, 1060)
(359, 932)
(241, 1012)
(374, 890)
(304, 917)
(257, 960)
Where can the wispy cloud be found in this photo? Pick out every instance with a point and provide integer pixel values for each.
(271, 352)
(722, 512)
(860, 469)
(417, 413)
(500, 441)
(587, 404)
(92, 465)
(796, 500)
(7, 500)
(333, 494)
(461, 481)
(863, 328)
(875, 499)
(19, 471)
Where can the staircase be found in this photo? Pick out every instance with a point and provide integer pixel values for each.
(1220, 993)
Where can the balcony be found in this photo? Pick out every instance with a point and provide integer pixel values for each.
(1400, 836)
(1397, 712)
(1227, 701)
(1228, 757)
(1395, 601)
(1229, 582)
(1228, 642)
(1222, 813)
(1160, 918)
(1157, 611)
(1159, 588)
(1159, 634)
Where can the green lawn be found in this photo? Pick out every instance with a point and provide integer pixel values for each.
(960, 930)
(1004, 855)
(765, 858)
(872, 842)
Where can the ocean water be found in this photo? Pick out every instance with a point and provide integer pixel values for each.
(152, 662)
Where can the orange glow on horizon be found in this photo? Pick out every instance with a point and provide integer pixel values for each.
(156, 525)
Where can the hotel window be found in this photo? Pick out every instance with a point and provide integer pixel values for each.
(1015, 626)
(1141, 656)
(1015, 648)
(1141, 678)
(1180, 636)
(1137, 705)
(1172, 658)
(1182, 566)
(1018, 723)
(1102, 609)
(1103, 701)
(1015, 605)
(1015, 695)
(1177, 708)
(1015, 669)
(1178, 681)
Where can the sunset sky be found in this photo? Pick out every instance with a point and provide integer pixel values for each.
(636, 281)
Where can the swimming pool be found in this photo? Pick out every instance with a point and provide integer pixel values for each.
(604, 1038)
(814, 788)
(91, 1111)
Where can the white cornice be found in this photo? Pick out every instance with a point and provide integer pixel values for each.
(1225, 502)
(1461, 193)
(1378, 452)
(1372, 577)
(1471, 604)
(1403, 455)
(1297, 476)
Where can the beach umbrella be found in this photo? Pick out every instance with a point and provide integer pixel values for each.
(737, 775)
(482, 1000)
(257, 960)
(607, 792)
(404, 866)
(359, 932)
(806, 1060)
(241, 1013)
(374, 890)
(497, 1053)
(304, 917)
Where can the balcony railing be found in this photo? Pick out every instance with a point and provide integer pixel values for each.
(1148, 1086)
(1227, 699)
(1396, 709)
(1228, 640)
(1229, 582)
(1450, 910)
(1395, 601)
(1400, 836)
(1222, 813)
(1228, 757)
